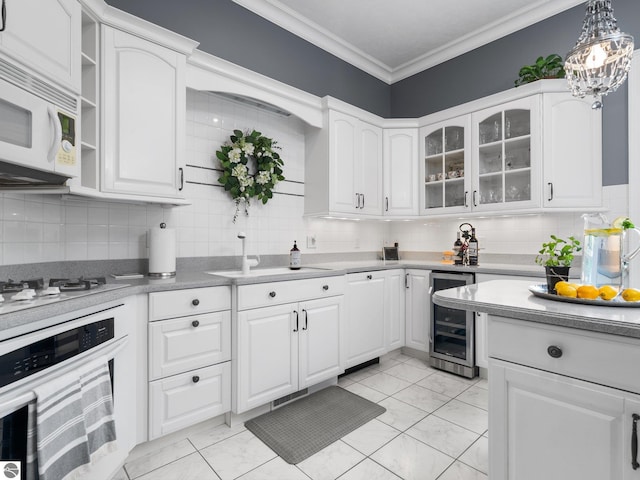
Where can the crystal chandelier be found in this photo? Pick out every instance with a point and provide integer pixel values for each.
(600, 60)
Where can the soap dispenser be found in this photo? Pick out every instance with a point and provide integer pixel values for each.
(295, 260)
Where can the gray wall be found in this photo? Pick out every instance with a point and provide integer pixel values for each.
(234, 33)
(494, 67)
(229, 31)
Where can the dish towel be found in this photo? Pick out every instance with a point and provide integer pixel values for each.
(74, 424)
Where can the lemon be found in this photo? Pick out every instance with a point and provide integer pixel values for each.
(631, 295)
(607, 292)
(566, 290)
(561, 284)
(622, 223)
(587, 291)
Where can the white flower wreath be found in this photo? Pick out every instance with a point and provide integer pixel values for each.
(236, 157)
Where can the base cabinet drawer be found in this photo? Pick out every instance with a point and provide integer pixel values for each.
(595, 357)
(192, 301)
(186, 399)
(186, 343)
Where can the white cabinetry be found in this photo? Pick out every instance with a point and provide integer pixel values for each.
(44, 35)
(517, 150)
(445, 172)
(559, 408)
(400, 171)
(365, 317)
(418, 313)
(572, 148)
(189, 357)
(395, 282)
(144, 108)
(507, 156)
(283, 346)
(343, 171)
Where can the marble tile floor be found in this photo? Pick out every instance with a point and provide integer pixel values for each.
(435, 428)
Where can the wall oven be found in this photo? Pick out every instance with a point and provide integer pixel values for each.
(30, 360)
(452, 332)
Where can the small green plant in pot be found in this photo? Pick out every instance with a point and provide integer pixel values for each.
(556, 256)
(549, 67)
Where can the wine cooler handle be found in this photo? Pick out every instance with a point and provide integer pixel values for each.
(634, 442)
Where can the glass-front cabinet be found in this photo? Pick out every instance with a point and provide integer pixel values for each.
(444, 161)
(506, 142)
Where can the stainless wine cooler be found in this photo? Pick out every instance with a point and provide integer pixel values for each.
(451, 334)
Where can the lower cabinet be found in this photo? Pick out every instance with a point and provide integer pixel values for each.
(189, 358)
(365, 317)
(284, 348)
(394, 308)
(559, 408)
(418, 313)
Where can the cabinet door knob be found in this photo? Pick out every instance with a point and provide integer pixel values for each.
(195, 379)
(195, 323)
(272, 294)
(369, 277)
(195, 302)
(555, 352)
(325, 287)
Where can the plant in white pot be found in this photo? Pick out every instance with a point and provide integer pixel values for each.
(556, 256)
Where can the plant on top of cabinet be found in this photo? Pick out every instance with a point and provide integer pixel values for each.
(249, 152)
(549, 67)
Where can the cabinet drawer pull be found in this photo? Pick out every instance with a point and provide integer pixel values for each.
(357, 200)
(555, 352)
(466, 203)
(362, 202)
(369, 277)
(4, 16)
(297, 318)
(475, 198)
(325, 287)
(386, 204)
(406, 280)
(195, 302)
(550, 191)
(181, 179)
(195, 323)
(195, 379)
(306, 320)
(634, 442)
(272, 294)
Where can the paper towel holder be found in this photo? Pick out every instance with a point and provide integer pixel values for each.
(162, 274)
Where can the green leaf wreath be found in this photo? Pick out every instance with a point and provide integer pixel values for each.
(238, 159)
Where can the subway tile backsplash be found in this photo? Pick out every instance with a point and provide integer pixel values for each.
(47, 228)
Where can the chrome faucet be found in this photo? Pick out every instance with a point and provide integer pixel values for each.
(247, 263)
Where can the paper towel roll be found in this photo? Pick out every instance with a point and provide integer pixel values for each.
(162, 251)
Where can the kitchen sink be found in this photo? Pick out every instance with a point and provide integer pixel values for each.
(263, 272)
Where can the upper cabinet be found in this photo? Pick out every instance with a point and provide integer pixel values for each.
(446, 167)
(343, 170)
(514, 151)
(506, 156)
(400, 170)
(144, 108)
(572, 149)
(44, 36)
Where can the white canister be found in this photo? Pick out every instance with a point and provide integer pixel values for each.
(162, 252)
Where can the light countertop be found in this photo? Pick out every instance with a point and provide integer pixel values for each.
(198, 279)
(512, 299)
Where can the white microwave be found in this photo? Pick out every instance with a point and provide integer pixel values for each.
(38, 135)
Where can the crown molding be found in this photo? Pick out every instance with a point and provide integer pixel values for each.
(284, 17)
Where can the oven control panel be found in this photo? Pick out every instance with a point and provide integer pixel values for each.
(50, 351)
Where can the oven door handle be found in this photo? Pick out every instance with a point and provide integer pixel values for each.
(23, 394)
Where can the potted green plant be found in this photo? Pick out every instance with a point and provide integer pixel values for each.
(556, 256)
(550, 67)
